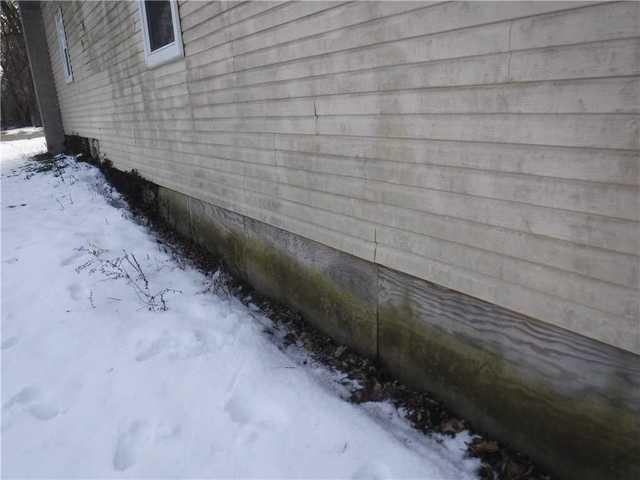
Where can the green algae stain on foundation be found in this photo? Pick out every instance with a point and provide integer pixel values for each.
(512, 400)
(331, 307)
(326, 302)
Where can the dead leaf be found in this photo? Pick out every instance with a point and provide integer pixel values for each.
(452, 425)
(480, 446)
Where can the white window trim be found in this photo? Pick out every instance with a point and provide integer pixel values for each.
(64, 50)
(168, 52)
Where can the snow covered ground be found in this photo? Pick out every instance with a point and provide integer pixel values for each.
(94, 384)
(21, 133)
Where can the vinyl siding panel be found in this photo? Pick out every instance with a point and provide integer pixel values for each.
(491, 148)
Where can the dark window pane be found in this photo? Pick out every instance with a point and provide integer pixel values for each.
(159, 23)
(66, 62)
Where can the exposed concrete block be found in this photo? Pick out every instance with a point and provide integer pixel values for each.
(219, 231)
(570, 402)
(335, 291)
(174, 208)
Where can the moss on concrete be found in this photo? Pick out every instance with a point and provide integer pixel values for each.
(222, 239)
(331, 307)
(580, 435)
(173, 207)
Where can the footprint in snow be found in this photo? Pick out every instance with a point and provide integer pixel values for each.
(23, 397)
(43, 411)
(9, 342)
(372, 471)
(184, 344)
(77, 291)
(132, 442)
(254, 417)
(166, 432)
(30, 400)
(129, 445)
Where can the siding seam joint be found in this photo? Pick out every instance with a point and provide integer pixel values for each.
(510, 51)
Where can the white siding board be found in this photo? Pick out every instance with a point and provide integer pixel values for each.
(488, 147)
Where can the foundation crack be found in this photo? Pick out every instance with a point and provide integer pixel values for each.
(375, 244)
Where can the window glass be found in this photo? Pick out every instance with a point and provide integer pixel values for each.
(161, 31)
(64, 50)
(160, 23)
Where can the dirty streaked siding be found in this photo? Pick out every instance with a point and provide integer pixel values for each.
(491, 148)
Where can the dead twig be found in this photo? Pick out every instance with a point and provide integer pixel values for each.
(127, 268)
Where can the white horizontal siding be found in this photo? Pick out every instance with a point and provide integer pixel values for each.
(488, 147)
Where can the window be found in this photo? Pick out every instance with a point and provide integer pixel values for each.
(161, 28)
(64, 50)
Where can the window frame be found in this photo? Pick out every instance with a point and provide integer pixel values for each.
(64, 48)
(169, 52)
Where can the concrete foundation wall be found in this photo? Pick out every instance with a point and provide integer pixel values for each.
(491, 148)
